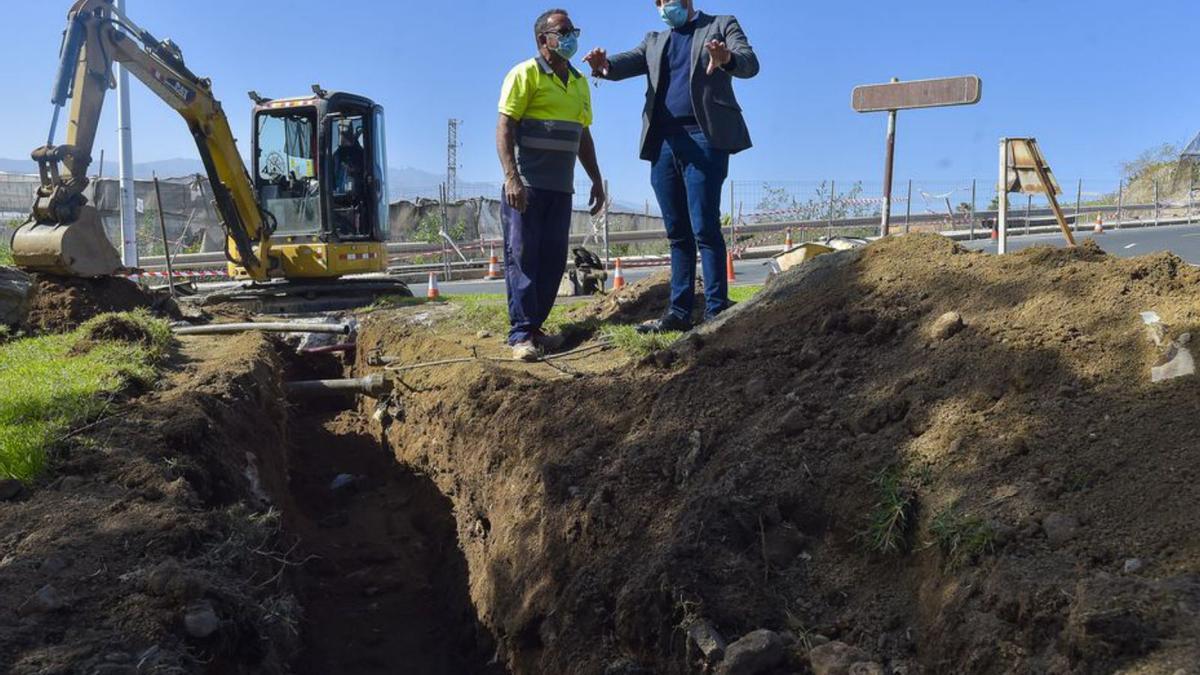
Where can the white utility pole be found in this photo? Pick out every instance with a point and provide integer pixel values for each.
(129, 251)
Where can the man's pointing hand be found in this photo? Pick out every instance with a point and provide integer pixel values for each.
(598, 60)
(718, 55)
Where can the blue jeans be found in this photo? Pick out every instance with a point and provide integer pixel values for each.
(535, 258)
(687, 178)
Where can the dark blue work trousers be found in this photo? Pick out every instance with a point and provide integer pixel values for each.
(688, 177)
(535, 258)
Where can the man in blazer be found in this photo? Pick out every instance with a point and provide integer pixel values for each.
(691, 124)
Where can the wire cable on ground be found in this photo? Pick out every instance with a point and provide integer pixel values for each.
(496, 359)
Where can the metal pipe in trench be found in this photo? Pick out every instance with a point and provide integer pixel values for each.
(374, 385)
(228, 328)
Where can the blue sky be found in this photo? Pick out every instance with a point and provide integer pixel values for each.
(1097, 82)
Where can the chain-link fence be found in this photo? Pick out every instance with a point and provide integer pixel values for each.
(193, 226)
(816, 209)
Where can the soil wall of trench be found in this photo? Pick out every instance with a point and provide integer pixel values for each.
(732, 478)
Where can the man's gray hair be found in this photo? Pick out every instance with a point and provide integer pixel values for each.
(543, 21)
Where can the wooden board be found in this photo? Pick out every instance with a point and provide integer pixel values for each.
(939, 93)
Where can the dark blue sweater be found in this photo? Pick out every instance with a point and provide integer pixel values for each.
(673, 111)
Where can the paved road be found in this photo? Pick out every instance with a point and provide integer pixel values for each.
(749, 272)
(1183, 240)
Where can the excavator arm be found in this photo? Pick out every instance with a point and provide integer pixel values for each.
(65, 236)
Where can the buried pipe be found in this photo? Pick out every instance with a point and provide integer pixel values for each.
(344, 348)
(374, 385)
(228, 328)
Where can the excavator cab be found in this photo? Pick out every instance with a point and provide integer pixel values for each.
(320, 174)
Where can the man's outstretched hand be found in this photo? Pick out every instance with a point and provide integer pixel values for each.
(598, 198)
(718, 55)
(598, 60)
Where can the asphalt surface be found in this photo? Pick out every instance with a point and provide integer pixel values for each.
(749, 273)
(1182, 240)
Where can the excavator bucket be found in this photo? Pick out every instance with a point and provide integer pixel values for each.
(78, 249)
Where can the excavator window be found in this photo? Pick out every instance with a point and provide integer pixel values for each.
(350, 198)
(285, 170)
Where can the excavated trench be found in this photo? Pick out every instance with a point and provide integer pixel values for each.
(383, 582)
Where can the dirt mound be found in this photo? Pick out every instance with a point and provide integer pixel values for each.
(153, 548)
(61, 304)
(956, 463)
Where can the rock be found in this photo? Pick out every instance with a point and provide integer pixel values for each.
(46, 599)
(756, 652)
(625, 667)
(756, 389)
(947, 326)
(1060, 528)
(201, 620)
(794, 421)
(10, 489)
(483, 334)
(1133, 565)
(707, 640)
(835, 658)
(343, 481)
(866, 668)
(16, 292)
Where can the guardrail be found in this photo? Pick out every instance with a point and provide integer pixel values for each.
(400, 250)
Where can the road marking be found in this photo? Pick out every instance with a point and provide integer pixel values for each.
(1131, 246)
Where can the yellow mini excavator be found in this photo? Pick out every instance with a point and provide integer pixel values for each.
(313, 205)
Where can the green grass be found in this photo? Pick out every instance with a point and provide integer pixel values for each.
(628, 340)
(743, 293)
(890, 520)
(488, 311)
(48, 388)
(962, 539)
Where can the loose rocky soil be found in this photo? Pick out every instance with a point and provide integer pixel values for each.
(598, 514)
(61, 304)
(731, 479)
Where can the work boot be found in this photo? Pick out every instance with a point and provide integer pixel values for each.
(525, 351)
(667, 324)
(549, 343)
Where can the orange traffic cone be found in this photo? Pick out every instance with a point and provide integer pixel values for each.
(493, 272)
(618, 276)
(787, 241)
(1099, 228)
(729, 271)
(433, 293)
(995, 232)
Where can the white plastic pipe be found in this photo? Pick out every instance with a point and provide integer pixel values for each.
(129, 251)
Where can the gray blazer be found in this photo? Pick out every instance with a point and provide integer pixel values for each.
(717, 109)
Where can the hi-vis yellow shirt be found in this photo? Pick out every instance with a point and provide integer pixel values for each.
(551, 116)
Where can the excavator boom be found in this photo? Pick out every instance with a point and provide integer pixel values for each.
(64, 234)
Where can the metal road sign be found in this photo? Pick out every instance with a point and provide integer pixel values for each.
(1024, 160)
(938, 93)
(898, 95)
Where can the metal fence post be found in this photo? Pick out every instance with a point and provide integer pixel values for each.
(1002, 200)
(972, 226)
(1156, 202)
(1028, 209)
(162, 223)
(607, 204)
(1120, 201)
(832, 196)
(908, 207)
(1079, 202)
(1191, 191)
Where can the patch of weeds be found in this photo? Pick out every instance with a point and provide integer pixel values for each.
(49, 387)
(743, 293)
(489, 312)
(961, 538)
(890, 521)
(628, 340)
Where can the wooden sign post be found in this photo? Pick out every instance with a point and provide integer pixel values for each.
(897, 95)
(1023, 169)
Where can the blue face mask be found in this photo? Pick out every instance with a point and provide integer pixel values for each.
(674, 14)
(567, 46)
